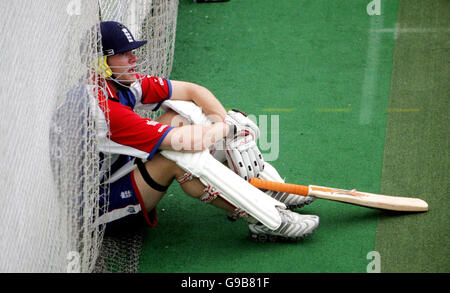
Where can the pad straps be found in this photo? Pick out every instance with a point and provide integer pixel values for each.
(147, 178)
(185, 178)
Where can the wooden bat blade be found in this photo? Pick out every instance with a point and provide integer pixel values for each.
(378, 201)
(372, 200)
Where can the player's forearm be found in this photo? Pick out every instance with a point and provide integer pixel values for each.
(201, 96)
(209, 103)
(195, 138)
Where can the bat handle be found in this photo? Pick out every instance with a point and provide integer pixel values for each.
(278, 186)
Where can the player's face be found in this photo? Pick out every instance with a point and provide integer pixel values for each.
(123, 66)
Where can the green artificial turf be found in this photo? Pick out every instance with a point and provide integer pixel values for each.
(319, 73)
(416, 159)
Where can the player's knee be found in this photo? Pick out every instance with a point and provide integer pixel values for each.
(162, 164)
(167, 168)
(172, 118)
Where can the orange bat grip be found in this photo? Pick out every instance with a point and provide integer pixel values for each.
(278, 186)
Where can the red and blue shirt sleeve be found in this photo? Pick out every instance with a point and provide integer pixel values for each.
(130, 130)
(155, 90)
(127, 132)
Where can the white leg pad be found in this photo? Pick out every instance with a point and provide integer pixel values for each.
(194, 114)
(188, 110)
(232, 187)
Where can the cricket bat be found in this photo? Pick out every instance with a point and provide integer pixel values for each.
(372, 200)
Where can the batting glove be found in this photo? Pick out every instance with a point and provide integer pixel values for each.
(242, 153)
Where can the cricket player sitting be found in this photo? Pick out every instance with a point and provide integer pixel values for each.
(190, 143)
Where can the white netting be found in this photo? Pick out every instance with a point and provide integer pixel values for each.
(50, 164)
(154, 21)
(47, 217)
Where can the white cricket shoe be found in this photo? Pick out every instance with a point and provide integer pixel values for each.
(293, 227)
(292, 201)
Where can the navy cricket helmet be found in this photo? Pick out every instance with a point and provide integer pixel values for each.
(117, 38)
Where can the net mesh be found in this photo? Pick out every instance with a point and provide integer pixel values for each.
(120, 252)
(50, 172)
(154, 21)
(49, 222)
